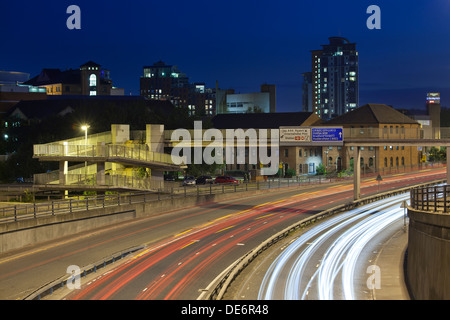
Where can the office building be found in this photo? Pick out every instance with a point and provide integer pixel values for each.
(334, 79)
(307, 92)
(228, 101)
(166, 82)
(434, 111)
(13, 90)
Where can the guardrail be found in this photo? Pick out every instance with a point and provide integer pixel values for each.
(110, 151)
(92, 179)
(59, 283)
(86, 203)
(434, 199)
(218, 289)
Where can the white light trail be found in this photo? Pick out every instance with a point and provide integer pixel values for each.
(354, 228)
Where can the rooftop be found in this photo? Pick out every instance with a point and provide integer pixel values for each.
(372, 114)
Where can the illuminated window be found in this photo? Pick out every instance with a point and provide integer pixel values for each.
(92, 93)
(92, 80)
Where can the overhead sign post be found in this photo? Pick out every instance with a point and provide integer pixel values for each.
(311, 136)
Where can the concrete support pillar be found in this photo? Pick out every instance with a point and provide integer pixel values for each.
(154, 136)
(63, 170)
(357, 173)
(101, 165)
(63, 167)
(100, 173)
(120, 134)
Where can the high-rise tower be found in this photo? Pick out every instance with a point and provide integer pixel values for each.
(334, 78)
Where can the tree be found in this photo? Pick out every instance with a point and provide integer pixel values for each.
(438, 154)
(321, 170)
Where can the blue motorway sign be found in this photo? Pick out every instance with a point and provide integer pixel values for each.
(327, 134)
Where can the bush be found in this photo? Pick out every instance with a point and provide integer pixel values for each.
(320, 171)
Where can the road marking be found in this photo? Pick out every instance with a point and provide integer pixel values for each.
(267, 215)
(182, 233)
(188, 244)
(260, 205)
(224, 229)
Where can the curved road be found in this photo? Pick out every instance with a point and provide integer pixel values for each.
(185, 249)
(329, 261)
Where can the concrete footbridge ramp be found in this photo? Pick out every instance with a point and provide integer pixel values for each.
(118, 158)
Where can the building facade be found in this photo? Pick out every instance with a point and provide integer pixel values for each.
(227, 101)
(292, 159)
(334, 79)
(89, 80)
(166, 82)
(375, 122)
(307, 92)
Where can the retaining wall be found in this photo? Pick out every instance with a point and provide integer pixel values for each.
(18, 234)
(428, 261)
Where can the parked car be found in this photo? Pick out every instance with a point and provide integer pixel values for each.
(226, 180)
(169, 177)
(204, 180)
(189, 181)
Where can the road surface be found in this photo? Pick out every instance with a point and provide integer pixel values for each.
(185, 249)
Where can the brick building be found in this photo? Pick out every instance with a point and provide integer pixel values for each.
(374, 122)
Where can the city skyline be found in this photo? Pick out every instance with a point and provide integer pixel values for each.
(240, 45)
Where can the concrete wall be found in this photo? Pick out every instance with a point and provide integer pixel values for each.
(428, 261)
(16, 235)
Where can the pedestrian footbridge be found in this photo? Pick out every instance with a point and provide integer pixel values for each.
(114, 160)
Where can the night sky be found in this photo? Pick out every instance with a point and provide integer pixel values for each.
(242, 44)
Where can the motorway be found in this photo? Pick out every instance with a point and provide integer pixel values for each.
(335, 259)
(185, 249)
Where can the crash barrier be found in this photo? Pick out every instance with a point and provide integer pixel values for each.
(435, 199)
(429, 243)
(50, 288)
(219, 288)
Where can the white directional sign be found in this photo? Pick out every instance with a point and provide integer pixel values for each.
(295, 134)
(311, 136)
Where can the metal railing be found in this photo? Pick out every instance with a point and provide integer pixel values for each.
(170, 191)
(92, 179)
(433, 199)
(111, 152)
